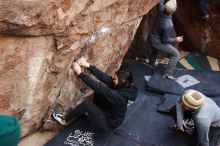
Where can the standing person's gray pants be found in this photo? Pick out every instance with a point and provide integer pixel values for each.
(166, 49)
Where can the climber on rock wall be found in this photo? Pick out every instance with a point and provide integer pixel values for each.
(111, 95)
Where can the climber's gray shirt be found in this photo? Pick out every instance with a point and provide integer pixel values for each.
(208, 115)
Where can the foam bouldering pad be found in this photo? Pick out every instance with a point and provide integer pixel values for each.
(139, 70)
(80, 133)
(148, 127)
(167, 102)
(144, 123)
(214, 63)
(203, 62)
(191, 60)
(207, 82)
(198, 62)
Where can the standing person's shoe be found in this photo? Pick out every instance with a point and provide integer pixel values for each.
(59, 118)
(170, 77)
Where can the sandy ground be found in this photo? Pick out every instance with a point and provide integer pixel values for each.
(37, 139)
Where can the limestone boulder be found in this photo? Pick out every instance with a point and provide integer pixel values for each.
(39, 40)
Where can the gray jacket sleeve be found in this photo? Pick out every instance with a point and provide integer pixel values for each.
(167, 39)
(179, 115)
(203, 126)
(161, 6)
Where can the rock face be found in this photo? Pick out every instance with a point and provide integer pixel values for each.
(203, 37)
(140, 47)
(40, 38)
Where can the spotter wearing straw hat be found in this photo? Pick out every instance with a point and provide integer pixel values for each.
(193, 99)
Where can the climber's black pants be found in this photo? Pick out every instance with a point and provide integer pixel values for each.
(95, 114)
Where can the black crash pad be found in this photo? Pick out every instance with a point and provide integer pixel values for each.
(209, 82)
(150, 128)
(167, 102)
(140, 69)
(198, 62)
(82, 133)
(203, 62)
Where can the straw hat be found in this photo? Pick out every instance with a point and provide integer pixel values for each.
(193, 99)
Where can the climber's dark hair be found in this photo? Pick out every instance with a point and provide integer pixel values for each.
(124, 79)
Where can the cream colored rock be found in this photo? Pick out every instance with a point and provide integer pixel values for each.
(43, 38)
(22, 65)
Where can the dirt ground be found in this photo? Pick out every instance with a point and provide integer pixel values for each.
(37, 139)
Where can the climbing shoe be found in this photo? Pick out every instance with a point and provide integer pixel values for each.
(59, 118)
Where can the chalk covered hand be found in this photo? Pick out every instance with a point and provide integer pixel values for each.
(182, 127)
(76, 68)
(82, 62)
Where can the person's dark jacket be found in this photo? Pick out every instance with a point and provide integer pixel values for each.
(162, 28)
(112, 101)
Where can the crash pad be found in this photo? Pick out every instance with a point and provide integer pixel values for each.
(199, 62)
(139, 69)
(207, 82)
